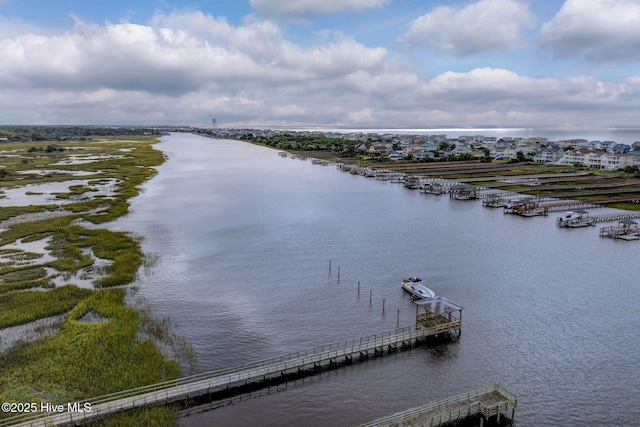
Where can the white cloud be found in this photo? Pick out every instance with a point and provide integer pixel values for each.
(186, 68)
(303, 8)
(487, 25)
(494, 87)
(178, 59)
(598, 30)
(506, 97)
(249, 71)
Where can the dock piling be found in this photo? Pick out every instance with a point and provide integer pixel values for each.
(252, 375)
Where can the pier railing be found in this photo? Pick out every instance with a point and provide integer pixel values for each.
(452, 408)
(197, 385)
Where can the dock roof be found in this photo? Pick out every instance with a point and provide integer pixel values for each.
(439, 305)
(628, 222)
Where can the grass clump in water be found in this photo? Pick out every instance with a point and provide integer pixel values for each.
(40, 304)
(83, 359)
(86, 359)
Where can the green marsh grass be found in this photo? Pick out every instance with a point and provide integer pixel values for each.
(44, 283)
(22, 274)
(26, 306)
(82, 359)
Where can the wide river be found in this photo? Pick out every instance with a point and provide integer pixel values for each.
(243, 239)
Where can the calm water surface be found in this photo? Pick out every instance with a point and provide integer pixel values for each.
(243, 240)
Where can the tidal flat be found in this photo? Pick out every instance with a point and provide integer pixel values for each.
(56, 262)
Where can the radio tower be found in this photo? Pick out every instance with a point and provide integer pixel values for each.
(215, 124)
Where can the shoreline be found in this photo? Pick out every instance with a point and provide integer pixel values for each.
(126, 337)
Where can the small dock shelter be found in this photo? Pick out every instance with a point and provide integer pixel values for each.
(439, 314)
(463, 192)
(526, 207)
(433, 188)
(627, 229)
(412, 182)
(494, 201)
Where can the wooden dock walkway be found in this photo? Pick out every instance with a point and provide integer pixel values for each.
(528, 207)
(206, 384)
(616, 216)
(581, 204)
(488, 401)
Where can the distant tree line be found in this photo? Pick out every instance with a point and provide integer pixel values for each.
(305, 143)
(346, 148)
(26, 133)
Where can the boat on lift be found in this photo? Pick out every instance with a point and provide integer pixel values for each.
(577, 218)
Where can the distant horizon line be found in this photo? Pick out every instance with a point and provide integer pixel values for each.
(344, 127)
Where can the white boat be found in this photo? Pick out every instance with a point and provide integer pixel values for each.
(578, 218)
(416, 289)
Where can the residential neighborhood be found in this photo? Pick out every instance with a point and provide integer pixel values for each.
(606, 155)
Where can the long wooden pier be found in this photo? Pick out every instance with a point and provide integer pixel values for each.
(488, 401)
(210, 383)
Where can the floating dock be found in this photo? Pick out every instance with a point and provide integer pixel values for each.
(486, 402)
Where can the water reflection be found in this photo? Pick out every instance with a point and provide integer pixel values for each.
(243, 239)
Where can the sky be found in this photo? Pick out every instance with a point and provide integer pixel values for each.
(333, 63)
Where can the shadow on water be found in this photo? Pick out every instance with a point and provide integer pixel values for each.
(242, 247)
(438, 346)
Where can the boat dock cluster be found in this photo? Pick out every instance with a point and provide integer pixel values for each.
(511, 202)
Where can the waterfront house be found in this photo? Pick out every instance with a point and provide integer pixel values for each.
(547, 154)
(620, 148)
(573, 143)
(499, 153)
(362, 148)
(573, 157)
